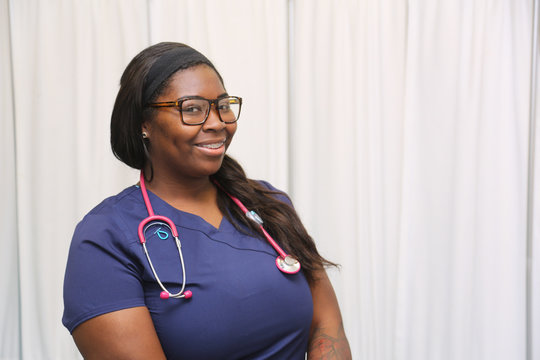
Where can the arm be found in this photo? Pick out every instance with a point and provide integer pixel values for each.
(327, 338)
(124, 334)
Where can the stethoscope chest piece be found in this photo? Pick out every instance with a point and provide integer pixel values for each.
(285, 263)
(289, 264)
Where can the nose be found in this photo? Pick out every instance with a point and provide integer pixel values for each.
(213, 122)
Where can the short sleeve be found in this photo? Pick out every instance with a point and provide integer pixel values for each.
(102, 272)
(281, 195)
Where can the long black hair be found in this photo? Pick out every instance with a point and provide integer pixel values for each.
(130, 112)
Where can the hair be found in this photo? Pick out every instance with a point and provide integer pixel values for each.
(280, 218)
(130, 112)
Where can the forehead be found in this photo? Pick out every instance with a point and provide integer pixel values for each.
(199, 80)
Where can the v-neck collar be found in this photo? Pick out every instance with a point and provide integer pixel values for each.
(183, 218)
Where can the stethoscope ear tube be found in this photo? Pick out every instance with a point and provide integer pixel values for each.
(156, 220)
(165, 221)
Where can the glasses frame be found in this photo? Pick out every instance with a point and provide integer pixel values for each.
(178, 104)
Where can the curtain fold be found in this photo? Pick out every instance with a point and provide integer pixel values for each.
(9, 259)
(462, 253)
(535, 225)
(436, 145)
(346, 130)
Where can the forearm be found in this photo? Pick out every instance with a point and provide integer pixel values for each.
(327, 344)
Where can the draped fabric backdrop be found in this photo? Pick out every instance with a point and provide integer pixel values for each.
(399, 127)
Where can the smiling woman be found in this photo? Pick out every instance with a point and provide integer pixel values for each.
(174, 120)
(188, 140)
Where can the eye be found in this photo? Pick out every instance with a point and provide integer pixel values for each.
(224, 107)
(193, 109)
(225, 104)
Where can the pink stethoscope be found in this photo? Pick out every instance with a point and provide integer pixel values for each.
(284, 262)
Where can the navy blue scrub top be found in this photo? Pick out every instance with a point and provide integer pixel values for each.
(242, 307)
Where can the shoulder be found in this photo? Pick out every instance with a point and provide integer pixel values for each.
(109, 219)
(113, 203)
(269, 186)
(278, 194)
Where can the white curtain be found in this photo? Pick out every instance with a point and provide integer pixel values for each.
(462, 249)
(67, 60)
(9, 260)
(346, 147)
(534, 218)
(423, 121)
(400, 128)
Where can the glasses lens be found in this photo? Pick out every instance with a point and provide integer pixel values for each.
(194, 111)
(229, 109)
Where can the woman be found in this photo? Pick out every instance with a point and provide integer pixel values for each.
(174, 120)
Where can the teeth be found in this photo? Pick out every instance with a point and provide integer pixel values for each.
(212, 146)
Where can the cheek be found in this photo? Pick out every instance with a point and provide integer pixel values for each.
(179, 133)
(231, 130)
(175, 138)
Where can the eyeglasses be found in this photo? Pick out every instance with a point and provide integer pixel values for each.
(194, 110)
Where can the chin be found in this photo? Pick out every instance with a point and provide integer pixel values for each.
(211, 170)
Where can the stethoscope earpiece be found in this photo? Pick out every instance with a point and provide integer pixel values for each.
(165, 295)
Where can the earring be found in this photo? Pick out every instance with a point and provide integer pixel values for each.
(144, 135)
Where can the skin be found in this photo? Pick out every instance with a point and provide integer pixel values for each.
(181, 177)
(327, 337)
(181, 167)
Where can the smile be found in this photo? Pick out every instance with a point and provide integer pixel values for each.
(213, 145)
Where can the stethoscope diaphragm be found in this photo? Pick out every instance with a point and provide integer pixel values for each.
(289, 264)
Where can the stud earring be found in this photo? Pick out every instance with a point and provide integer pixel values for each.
(144, 135)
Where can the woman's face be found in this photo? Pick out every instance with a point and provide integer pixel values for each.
(188, 151)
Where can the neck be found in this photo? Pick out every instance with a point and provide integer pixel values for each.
(197, 196)
(185, 188)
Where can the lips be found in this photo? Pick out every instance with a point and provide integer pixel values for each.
(212, 144)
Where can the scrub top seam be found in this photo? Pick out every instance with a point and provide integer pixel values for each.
(209, 237)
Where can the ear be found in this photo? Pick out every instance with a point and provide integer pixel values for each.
(145, 130)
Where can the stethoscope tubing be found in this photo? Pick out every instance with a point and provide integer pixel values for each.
(257, 220)
(143, 225)
(146, 223)
(284, 262)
